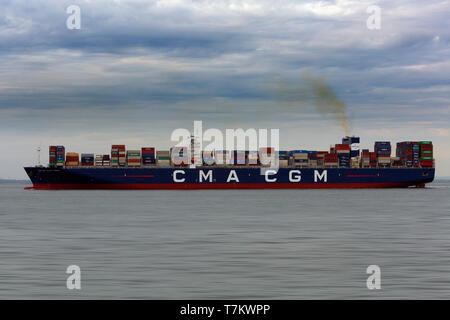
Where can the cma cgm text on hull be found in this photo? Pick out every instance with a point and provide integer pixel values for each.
(226, 178)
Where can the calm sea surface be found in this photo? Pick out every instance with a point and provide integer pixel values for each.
(261, 244)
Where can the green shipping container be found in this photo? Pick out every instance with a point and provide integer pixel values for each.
(163, 158)
(427, 152)
(425, 142)
(426, 158)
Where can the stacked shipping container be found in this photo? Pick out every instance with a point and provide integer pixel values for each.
(60, 156)
(353, 142)
(72, 159)
(222, 157)
(383, 151)
(239, 157)
(52, 156)
(331, 160)
(299, 158)
(283, 158)
(365, 158)
(343, 154)
(408, 154)
(148, 156)
(118, 155)
(163, 158)
(99, 160)
(87, 159)
(426, 153)
(106, 160)
(253, 158)
(321, 158)
(312, 158)
(133, 158)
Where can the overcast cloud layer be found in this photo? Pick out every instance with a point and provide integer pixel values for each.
(139, 69)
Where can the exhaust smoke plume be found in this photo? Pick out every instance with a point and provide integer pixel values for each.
(314, 89)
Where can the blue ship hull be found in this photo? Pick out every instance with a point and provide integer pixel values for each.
(225, 178)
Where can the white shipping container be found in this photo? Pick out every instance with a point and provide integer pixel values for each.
(300, 156)
(134, 164)
(384, 160)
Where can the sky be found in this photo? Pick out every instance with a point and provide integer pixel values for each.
(136, 70)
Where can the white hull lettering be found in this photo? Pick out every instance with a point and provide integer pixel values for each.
(320, 176)
(233, 176)
(270, 172)
(297, 177)
(203, 177)
(175, 178)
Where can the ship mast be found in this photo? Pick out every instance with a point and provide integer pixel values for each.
(39, 156)
(196, 153)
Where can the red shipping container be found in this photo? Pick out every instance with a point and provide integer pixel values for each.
(426, 147)
(343, 147)
(134, 160)
(148, 150)
(331, 157)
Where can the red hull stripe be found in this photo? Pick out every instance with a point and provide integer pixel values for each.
(362, 175)
(138, 176)
(195, 186)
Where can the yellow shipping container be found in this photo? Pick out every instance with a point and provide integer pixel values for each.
(72, 154)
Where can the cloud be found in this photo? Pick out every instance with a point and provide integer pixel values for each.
(147, 66)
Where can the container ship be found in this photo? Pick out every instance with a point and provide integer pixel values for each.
(344, 165)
